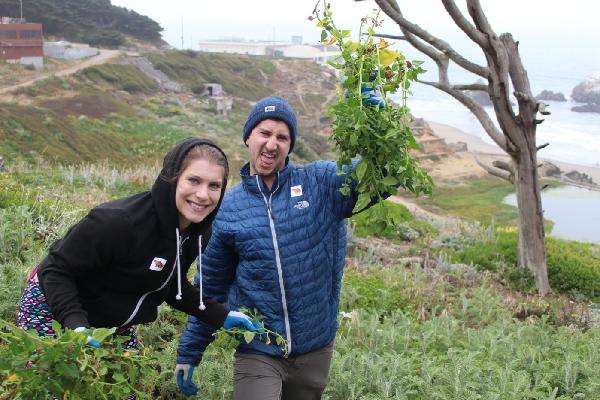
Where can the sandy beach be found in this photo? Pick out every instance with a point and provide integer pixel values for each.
(478, 147)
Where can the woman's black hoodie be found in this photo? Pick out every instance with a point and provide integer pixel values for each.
(115, 266)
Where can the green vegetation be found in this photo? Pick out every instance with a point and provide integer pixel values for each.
(573, 267)
(399, 223)
(479, 199)
(91, 21)
(405, 333)
(122, 77)
(246, 77)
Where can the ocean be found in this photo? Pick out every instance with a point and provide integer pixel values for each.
(574, 137)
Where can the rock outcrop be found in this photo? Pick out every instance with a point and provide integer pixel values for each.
(587, 91)
(482, 98)
(547, 169)
(590, 107)
(580, 177)
(549, 95)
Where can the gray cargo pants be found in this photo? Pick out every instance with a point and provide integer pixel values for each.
(259, 377)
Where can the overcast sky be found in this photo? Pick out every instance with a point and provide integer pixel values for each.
(548, 30)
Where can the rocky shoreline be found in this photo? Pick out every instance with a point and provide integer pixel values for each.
(457, 150)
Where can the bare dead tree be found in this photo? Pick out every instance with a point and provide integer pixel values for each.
(515, 132)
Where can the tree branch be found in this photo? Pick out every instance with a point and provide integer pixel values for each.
(473, 86)
(384, 35)
(500, 173)
(463, 23)
(481, 115)
(436, 47)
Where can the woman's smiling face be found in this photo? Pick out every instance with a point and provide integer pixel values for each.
(198, 191)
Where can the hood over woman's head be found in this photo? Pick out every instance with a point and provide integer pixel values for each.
(176, 161)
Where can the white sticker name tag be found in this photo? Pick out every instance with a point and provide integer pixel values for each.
(158, 264)
(296, 191)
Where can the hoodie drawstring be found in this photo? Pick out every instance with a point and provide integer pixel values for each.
(202, 307)
(178, 263)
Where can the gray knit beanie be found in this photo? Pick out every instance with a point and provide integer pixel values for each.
(272, 108)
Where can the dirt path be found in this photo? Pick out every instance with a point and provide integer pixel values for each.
(102, 57)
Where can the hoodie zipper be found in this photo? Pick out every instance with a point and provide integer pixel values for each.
(143, 297)
(277, 261)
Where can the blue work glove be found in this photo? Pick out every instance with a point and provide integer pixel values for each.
(372, 96)
(236, 319)
(184, 374)
(90, 341)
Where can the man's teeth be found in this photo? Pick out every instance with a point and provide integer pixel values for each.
(268, 155)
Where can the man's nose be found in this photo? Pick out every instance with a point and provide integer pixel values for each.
(271, 143)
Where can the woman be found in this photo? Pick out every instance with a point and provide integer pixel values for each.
(126, 257)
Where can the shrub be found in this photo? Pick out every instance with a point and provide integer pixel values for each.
(571, 265)
(66, 367)
(365, 225)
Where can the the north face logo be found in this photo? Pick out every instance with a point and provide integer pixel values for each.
(301, 205)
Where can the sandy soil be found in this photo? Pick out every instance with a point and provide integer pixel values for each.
(478, 148)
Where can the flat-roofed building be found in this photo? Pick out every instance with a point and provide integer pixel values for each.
(21, 42)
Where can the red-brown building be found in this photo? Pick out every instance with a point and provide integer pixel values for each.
(21, 41)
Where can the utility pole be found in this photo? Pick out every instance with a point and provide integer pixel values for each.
(181, 33)
(21, 2)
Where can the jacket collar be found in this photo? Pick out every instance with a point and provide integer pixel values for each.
(251, 184)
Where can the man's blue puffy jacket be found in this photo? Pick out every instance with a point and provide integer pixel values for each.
(281, 252)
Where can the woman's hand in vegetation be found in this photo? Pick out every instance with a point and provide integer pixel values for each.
(236, 319)
(185, 374)
(90, 340)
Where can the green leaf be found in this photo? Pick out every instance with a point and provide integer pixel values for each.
(323, 36)
(101, 334)
(362, 202)
(389, 181)
(361, 170)
(249, 336)
(278, 340)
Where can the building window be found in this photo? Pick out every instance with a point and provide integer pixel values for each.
(8, 34)
(30, 34)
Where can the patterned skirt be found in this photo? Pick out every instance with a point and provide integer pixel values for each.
(34, 313)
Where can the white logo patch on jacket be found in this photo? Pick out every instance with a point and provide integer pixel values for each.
(158, 264)
(296, 191)
(302, 204)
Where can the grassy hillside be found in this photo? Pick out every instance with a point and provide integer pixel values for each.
(97, 22)
(63, 119)
(243, 76)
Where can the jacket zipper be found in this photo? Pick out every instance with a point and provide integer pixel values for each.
(278, 262)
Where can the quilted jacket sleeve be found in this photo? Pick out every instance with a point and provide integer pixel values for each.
(218, 270)
(327, 172)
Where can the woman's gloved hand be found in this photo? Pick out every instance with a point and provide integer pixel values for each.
(90, 340)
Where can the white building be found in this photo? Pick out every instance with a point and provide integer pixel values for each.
(317, 53)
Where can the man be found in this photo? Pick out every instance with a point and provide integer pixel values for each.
(278, 245)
